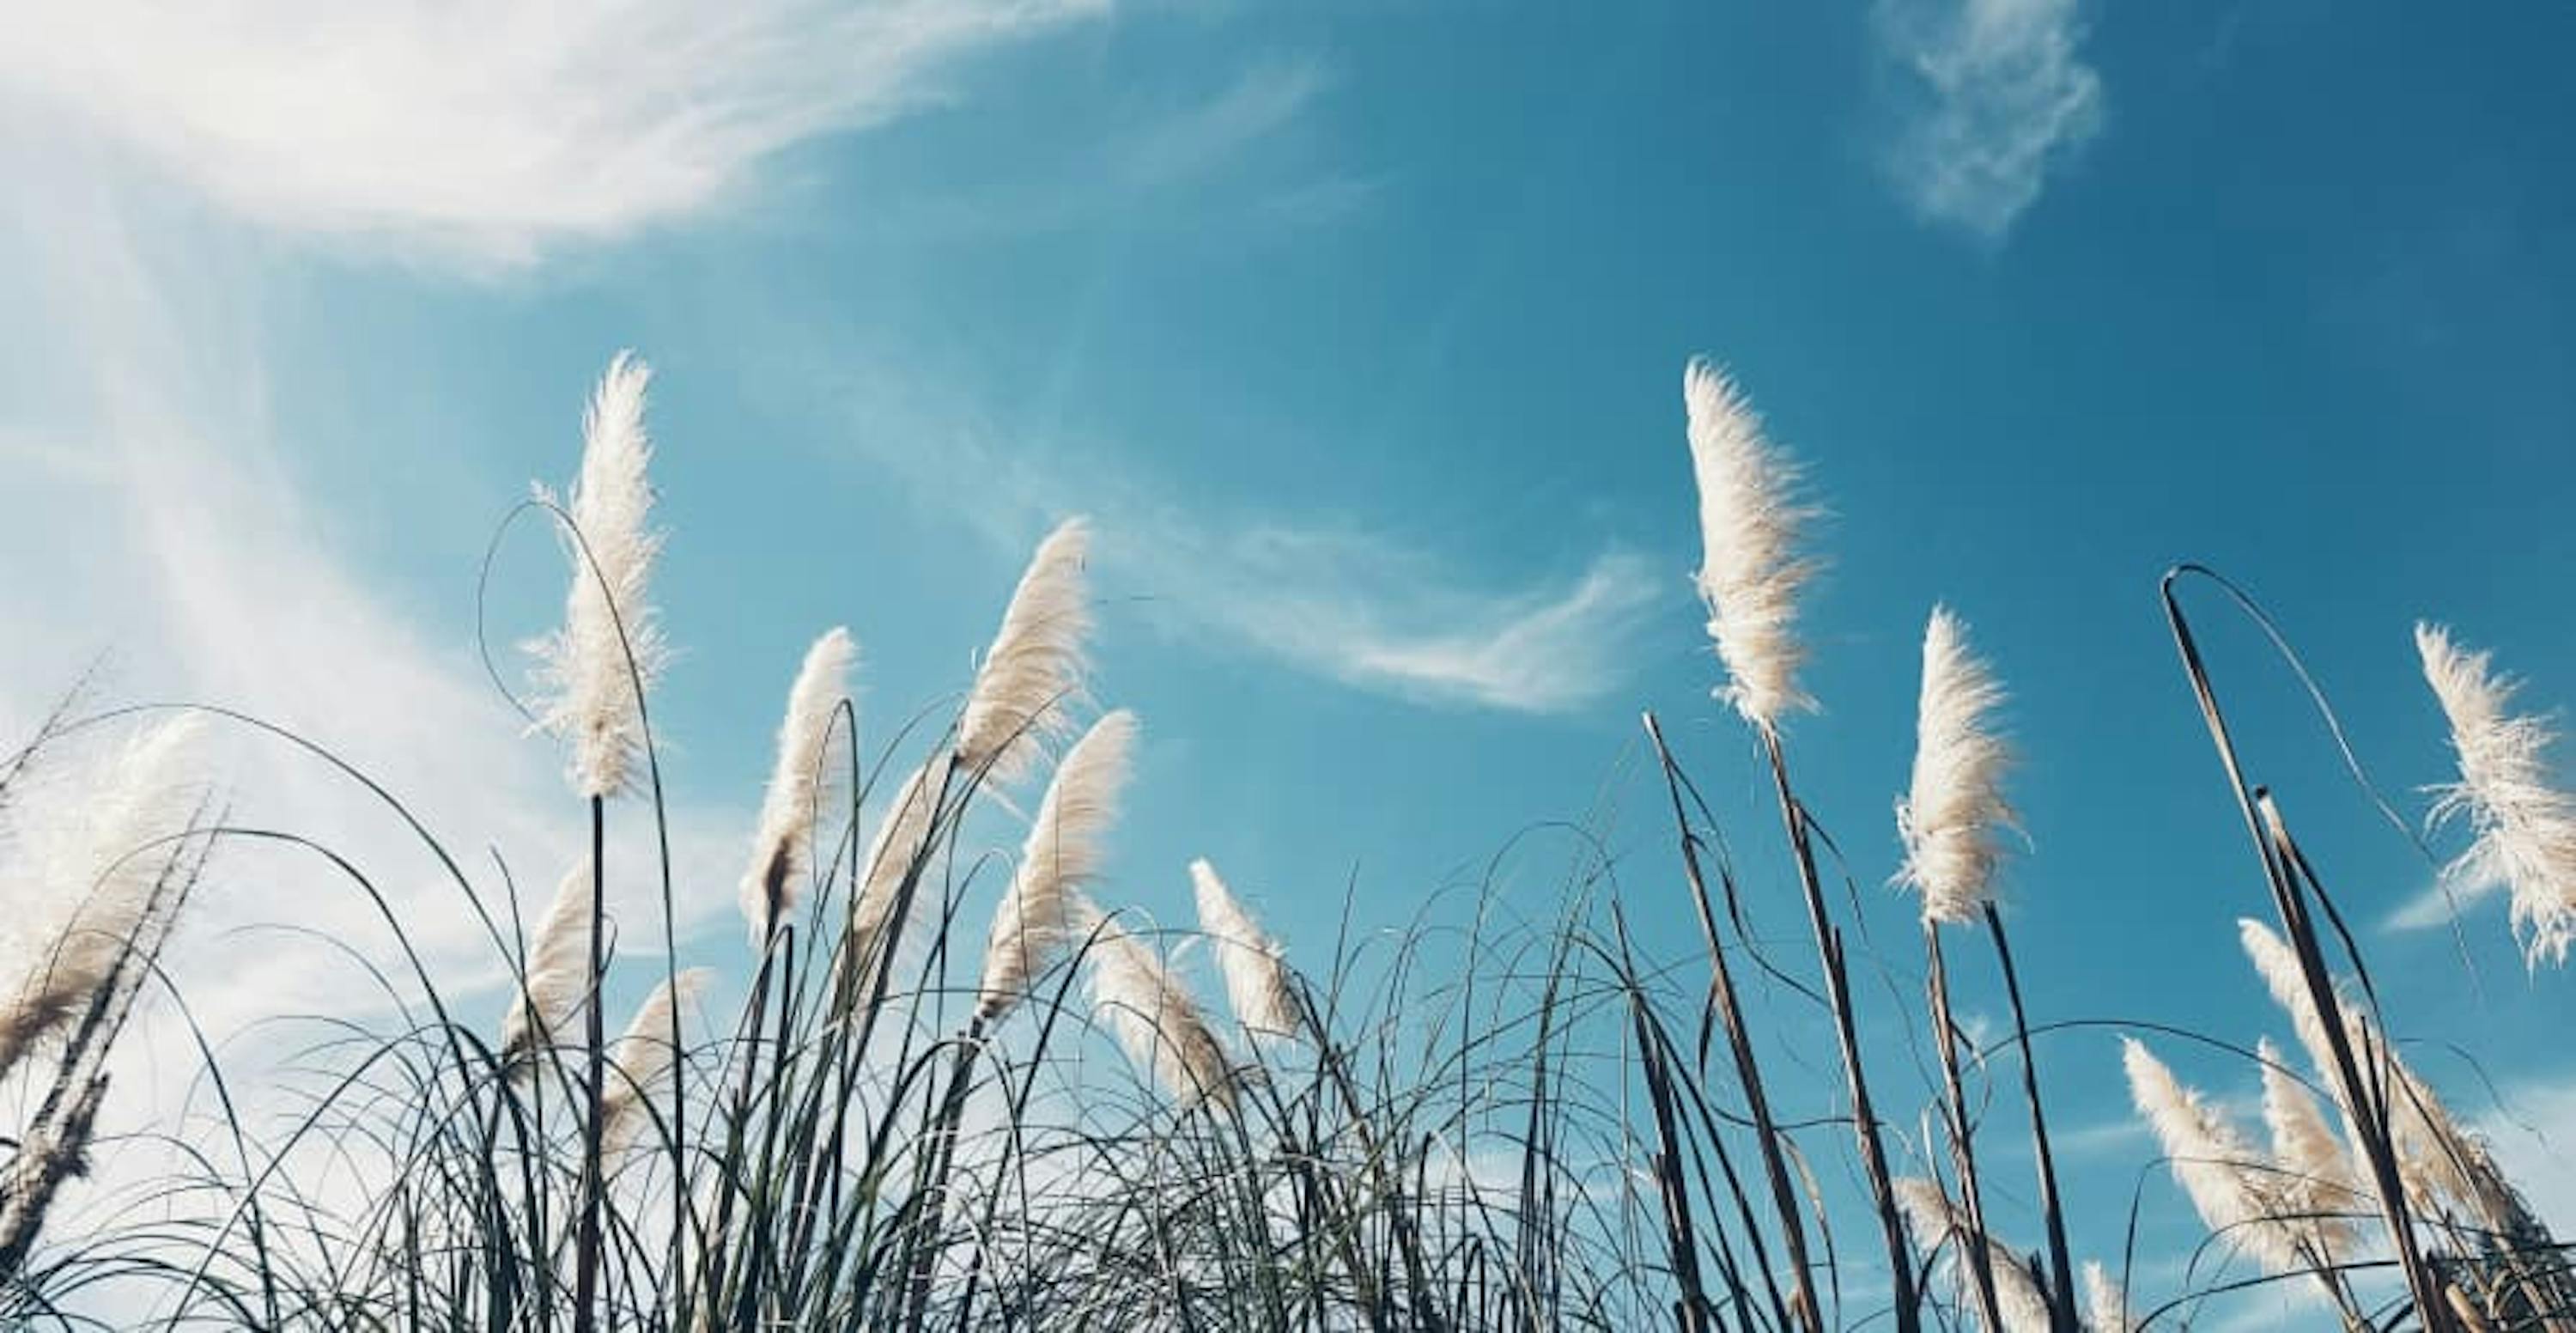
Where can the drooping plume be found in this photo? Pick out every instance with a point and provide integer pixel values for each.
(599, 665)
(1257, 981)
(643, 1060)
(2523, 828)
(2106, 1302)
(1954, 819)
(1061, 854)
(1751, 517)
(2224, 1176)
(113, 866)
(1032, 675)
(804, 781)
(555, 992)
(1936, 1223)
(1153, 1017)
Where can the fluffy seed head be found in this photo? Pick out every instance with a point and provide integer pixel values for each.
(556, 989)
(2224, 1176)
(2523, 827)
(598, 666)
(2316, 1183)
(804, 781)
(1257, 980)
(1954, 819)
(1936, 1222)
(1751, 570)
(110, 870)
(1062, 853)
(1153, 1018)
(643, 1060)
(1032, 674)
(2106, 1302)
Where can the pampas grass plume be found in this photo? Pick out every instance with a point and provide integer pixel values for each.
(1062, 852)
(2106, 1302)
(2213, 1163)
(803, 781)
(557, 984)
(645, 1057)
(1257, 981)
(2523, 828)
(598, 666)
(1154, 1019)
(101, 861)
(1936, 1222)
(1954, 818)
(1033, 671)
(1751, 570)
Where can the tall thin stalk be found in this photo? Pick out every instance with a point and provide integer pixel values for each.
(1829, 948)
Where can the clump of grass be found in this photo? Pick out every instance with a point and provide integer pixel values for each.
(1510, 1123)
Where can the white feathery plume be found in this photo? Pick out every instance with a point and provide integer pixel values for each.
(1153, 1018)
(2224, 1176)
(555, 993)
(2436, 1159)
(107, 854)
(1750, 517)
(901, 837)
(595, 697)
(1033, 672)
(804, 781)
(1257, 981)
(644, 1059)
(1936, 1222)
(2106, 1302)
(1954, 819)
(2524, 828)
(2316, 1176)
(1061, 854)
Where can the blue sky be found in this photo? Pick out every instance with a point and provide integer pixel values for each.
(1358, 329)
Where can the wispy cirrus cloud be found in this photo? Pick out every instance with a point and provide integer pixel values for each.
(487, 132)
(1996, 95)
(1345, 600)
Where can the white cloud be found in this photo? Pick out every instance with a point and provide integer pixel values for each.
(1346, 602)
(487, 131)
(150, 519)
(1997, 96)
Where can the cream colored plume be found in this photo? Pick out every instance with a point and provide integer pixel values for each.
(2226, 1178)
(2439, 1163)
(1032, 675)
(2524, 828)
(805, 780)
(903, 834)
(106, 848)
(1257, 981)
(1751, 570)
(2106, 1302)
(595, 698)
(1061, 854)
(1936, 1222)
(555, 992)
(643, 1059)
(1153, 1018)
(2316, 1180)
(1954, 819)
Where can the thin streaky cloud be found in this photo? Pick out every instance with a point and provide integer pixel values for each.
(1334, 599)
(1996, 96)
(487, 133)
